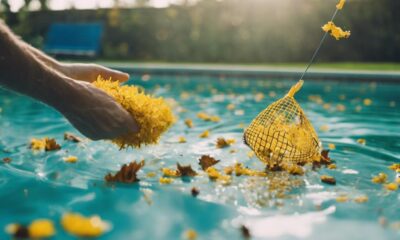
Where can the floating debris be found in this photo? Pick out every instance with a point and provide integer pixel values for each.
(230, 107)
(182, 140)
(380, 178)
(324, 128)
(207, 118)
(362, 141)
(195, 192)
(186, 171)
(361, 199)
(331, 166)
(70, 159)
(205, 134)
(38, 229)
(328, 179)
(240, 170)
(223, 143)
(81, 226)
(293, 169)
(342, 199)
(170, 172)
(47, 144)
(367, 102)
(259, 97)
(213, 174)
(189, 123)
(127, 173)
(340, 107)
(331, 146)
(72, 138)
(151, 174)
(163, 180)
(395, 167)
(181, 171)
(392, 186)
(190, 234)
(245, 232)
(207, 161)
(7, 160)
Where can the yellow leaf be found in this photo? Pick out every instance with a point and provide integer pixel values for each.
(204, 134)
(71, 159)
(340, 5)
(81, 226)
(41, 228)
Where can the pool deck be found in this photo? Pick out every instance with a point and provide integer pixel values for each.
(274, 72)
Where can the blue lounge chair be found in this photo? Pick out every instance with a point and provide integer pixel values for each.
(76, 39)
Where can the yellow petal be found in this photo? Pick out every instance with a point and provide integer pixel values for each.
(81, 226)
(41, 228)
(340, 4)
(71, 159)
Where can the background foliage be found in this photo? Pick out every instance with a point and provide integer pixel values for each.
(250, 31)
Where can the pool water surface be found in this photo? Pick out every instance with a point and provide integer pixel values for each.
(42, 185)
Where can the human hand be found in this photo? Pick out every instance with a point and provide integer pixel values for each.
(95, 114)
(90, 72)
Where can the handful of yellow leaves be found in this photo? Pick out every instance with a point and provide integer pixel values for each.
(153, 115)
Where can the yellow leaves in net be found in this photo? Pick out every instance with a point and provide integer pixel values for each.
(335, 31)
(282, 133)
(153, 115)
(81, 226)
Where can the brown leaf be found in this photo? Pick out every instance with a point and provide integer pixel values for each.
(328, 179)
(186, 171)
(52, 145)
(72, 138)
(207, 161)
(245, 232)
(22, 232)
(223, 143)
(7, 160)
(127, 173)
(325, 159)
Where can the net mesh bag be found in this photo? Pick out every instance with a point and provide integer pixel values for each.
(282, 133)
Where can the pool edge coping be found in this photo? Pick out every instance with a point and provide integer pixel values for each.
(257, 72)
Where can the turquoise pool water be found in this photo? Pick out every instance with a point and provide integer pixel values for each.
(42, 185)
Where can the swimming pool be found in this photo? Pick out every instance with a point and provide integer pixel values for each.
(42, 185)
